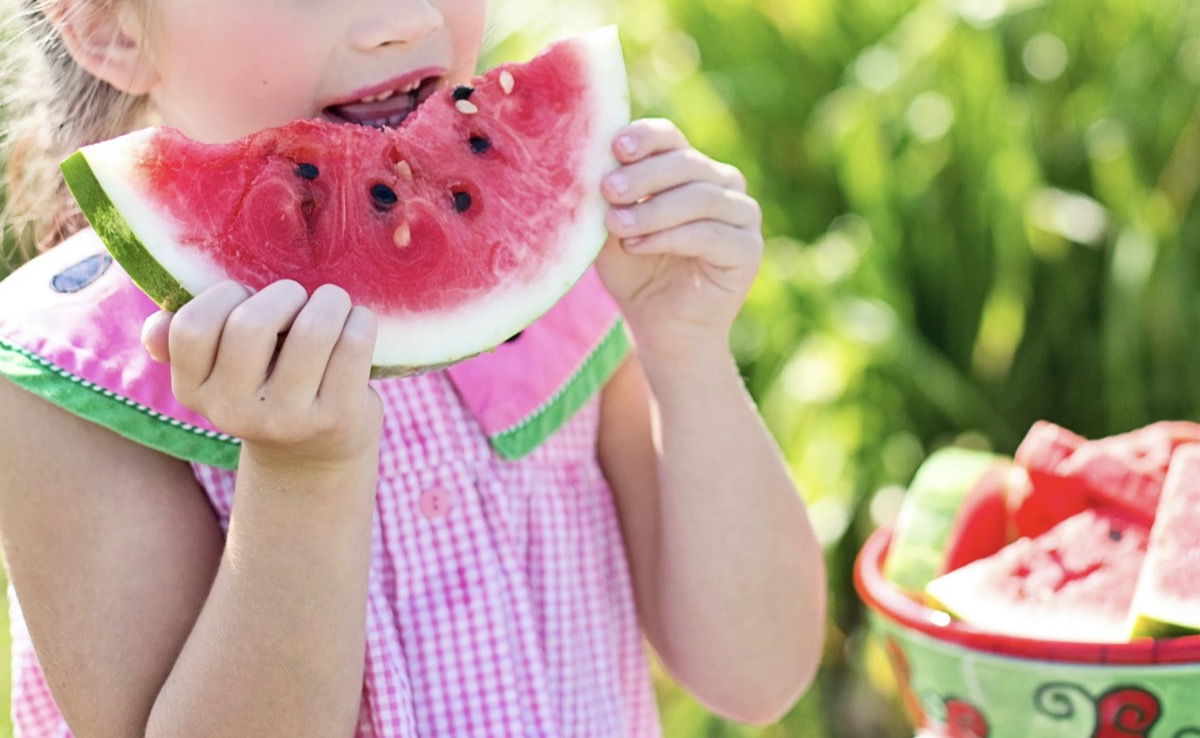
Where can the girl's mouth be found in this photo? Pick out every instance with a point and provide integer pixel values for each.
(386, 109)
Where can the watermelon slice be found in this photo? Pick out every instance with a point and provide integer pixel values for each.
(1167, 599)
(1068, 474)
(932, 505)
(980, 527)
(1073, 583)
(1045, 446)
(1128, 470)
(1040, 497)
(458, 228)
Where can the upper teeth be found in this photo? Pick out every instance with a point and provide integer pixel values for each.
(386, 94)
(380, 97)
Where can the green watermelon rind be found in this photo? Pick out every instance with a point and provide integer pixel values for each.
(407, 344)
(118, 237)
(927, 514)
(121, 414)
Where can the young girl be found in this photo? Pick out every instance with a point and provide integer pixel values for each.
(375, 566)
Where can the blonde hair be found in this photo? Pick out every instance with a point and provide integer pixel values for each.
(50, 107)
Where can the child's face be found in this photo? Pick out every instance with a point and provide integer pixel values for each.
(226, 68)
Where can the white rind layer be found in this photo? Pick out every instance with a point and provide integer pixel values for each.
(115, 166)
(427, 339)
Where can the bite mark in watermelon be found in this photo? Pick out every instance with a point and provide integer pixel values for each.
(458, 229)
(1167, 599)
(1073, 583)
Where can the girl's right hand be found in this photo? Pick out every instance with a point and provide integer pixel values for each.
(299, 402)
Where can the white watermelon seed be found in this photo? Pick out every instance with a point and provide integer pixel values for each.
(404, 169)
(466, 107)
(403, 236)
(507, 82)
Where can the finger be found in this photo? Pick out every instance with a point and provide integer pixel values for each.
(635, 182)
(195, 333)
(647, 137)
(349, 365)
(304, 357)
(720, 244)
(251, 335)
(691, 202)
(155, 336)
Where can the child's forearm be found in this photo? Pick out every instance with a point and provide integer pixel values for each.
(278, 648)
(740, 574)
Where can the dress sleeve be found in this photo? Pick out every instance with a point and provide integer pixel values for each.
(522, 392)
(70, 332)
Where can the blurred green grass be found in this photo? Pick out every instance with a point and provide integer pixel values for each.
(979, 213)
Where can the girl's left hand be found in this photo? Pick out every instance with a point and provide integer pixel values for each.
(685, 242)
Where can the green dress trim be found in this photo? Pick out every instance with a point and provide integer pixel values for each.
(185, 441)
(116, 412)
(518, 440)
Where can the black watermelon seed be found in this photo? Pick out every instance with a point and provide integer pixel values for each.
(480, 145)
(463, 92)
(384, 196)
(307, 171)
(515, 337)
(462, 201)
(1114, 535)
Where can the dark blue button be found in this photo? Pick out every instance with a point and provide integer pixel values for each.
(78, 276)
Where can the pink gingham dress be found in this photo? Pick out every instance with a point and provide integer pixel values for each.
(500, 601)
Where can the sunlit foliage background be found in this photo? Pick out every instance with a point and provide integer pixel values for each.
(978, 212)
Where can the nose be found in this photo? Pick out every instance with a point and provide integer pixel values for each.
(393, 23)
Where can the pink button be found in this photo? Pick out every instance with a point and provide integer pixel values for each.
(436, 503)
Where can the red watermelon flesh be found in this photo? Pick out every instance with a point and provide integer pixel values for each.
(980, 526)
(1128, 470)
(458, 228)
(1073, 583)
(1068, 474)
(1038, 501)
(1045, 446)
(1040, 497)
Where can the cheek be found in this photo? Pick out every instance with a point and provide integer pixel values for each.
(468, 22)
(219, 89)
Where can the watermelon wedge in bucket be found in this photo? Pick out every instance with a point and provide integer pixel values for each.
(458, 228)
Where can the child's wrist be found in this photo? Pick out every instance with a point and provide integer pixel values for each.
(305, 475)
(688, 366)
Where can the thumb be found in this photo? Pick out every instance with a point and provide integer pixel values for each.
(154, 336)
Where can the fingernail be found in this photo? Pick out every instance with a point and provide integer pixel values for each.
(619, 183)
(152, 321)
(633, 242)
(627, 144)
(626, 217)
